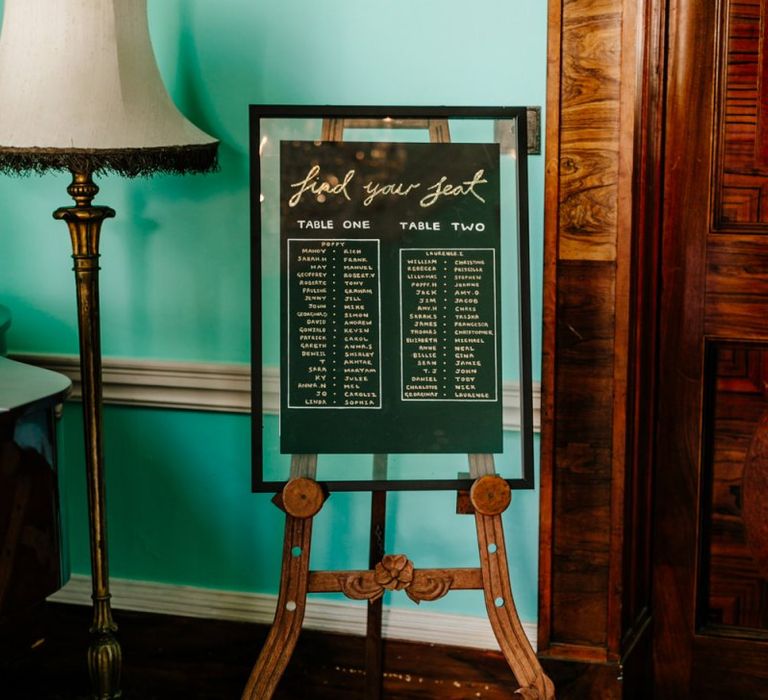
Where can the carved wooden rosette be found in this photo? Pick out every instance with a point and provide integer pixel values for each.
(395, 573)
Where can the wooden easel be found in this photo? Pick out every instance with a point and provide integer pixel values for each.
(303, 497)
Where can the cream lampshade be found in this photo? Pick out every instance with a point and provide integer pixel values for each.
(79, 86)
(80, 91)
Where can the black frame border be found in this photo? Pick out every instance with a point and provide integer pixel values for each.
(519, 115)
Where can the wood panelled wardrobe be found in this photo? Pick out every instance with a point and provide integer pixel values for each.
(654, 565)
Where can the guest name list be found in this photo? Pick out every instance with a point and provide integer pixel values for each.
(334, 324)
(448, 324)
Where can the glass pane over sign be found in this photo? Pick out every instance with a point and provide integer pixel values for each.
(387, 307)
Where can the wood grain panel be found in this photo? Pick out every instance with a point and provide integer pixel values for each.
(754, 511)
(589, 133)
(583, 508)
(582, 484)
(736, 263)
(737, 287)
(737, 316)
(741, 199)
(708, 682)
(737, 588)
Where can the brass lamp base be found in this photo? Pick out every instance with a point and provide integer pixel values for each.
(84, 222)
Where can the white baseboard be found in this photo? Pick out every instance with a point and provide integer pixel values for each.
(209, 386)
(325, 616)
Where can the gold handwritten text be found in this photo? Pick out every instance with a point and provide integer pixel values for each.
(399, 189)
(310, 184)
(443, 189)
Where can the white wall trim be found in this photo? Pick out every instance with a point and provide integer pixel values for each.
(322, 615)
(208, 386)
(162, 384)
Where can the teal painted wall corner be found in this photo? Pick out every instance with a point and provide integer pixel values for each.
(175, 278)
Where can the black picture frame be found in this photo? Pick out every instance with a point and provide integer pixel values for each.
(519, 114)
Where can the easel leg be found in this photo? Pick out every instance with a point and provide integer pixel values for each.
(291, 604)
(490, 496)
(503, 614)
(301, 499)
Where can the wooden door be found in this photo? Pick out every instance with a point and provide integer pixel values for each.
(711, 538)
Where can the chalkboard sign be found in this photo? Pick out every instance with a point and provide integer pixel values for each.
(390, 295)
(390, 305)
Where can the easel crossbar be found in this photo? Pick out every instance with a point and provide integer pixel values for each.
(424, 585)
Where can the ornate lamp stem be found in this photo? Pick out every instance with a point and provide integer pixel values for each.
(84, 221)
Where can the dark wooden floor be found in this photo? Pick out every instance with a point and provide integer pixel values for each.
(174, 657)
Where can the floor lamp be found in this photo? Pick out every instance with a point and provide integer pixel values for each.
(80, 91)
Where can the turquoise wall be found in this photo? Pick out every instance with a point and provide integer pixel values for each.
(175, 279)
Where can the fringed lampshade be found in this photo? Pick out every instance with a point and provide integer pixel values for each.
(80, 91)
